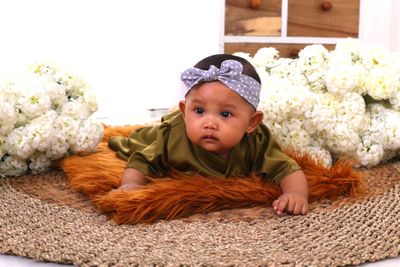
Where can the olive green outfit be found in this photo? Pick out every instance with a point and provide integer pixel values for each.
(156, 150)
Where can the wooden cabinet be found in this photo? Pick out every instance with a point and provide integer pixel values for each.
(288, 25)
(319, 18)
(241, 19)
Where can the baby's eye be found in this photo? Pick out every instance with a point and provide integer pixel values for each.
(199, 110)
(225, 114)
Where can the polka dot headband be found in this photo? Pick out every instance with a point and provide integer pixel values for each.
(230, 74)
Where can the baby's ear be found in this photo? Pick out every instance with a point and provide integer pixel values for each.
(182, 105)
(255, 120)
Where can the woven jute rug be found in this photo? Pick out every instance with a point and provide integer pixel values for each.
(42, 218)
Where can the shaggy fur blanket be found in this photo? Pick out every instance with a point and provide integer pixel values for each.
(97, 174)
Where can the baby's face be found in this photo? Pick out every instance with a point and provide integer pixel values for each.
(216, 117)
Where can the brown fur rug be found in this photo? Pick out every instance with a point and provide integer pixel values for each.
(97, 174)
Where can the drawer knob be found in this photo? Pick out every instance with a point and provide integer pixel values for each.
(294, 53)
(255, 4)
(326, 6)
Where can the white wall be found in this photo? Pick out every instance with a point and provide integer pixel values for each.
(132, 52)
(380, 23)
(395, 26)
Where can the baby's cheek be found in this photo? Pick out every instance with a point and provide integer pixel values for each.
(193, 136)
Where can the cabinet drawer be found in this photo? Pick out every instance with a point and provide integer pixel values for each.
(265, 20)
(285, 50)
(320, 18)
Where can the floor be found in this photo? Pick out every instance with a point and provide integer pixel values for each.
(15, 261)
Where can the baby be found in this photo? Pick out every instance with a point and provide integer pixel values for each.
(217, 132)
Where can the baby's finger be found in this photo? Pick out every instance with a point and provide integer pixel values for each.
(298, 208)
(290, 206)
(304, 210)
(275, 204)
(282, 203)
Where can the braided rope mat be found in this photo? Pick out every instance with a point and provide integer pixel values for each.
(41, 218)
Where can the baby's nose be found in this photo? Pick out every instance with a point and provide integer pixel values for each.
(210, 123)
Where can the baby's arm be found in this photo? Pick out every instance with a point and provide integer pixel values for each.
(294, 198)
(132, 179)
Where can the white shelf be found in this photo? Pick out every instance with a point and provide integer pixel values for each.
(284, 40)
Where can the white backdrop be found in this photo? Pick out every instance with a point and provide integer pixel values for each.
(132, 52)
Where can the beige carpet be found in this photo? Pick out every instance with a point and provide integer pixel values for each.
(41, 218)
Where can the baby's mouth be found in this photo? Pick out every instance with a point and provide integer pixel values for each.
(209, 138)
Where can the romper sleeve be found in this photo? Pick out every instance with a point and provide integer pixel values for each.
(273, 163)
(144, 149)
(137, 140)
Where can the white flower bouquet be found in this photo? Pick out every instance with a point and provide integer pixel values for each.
(335, 104)
(45, 114)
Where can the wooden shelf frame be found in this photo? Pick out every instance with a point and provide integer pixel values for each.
(283, 38)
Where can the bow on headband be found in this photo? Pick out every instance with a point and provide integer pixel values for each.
(230, 74)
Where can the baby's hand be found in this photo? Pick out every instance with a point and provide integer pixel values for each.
(132, 180)
(130, 187)
(291, 203)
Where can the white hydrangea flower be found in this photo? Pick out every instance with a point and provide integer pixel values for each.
(382, 83)
(319, 154)
(292, 134)
(64, 133)
(68, 126)
(89, 135)
(343, 79)
(245, 56)
(45, 115)
(13, 166)
(8, 116)
(314, 55)
(280, 100)
(376, 56)
(75, 108)
(90, 100)
(55, 91)
(33, 100)
(8, 94)
(388, 155)
(74, 86)
(18, 143)
(2, 150)
(323, 115)
(282, 68)
(22, 120)
(346, 101)
(347, 52)
(384, 127)
(342, 139)
(264, 76)
(35, 136)
(265, 57)
(39, 162)
(299, 96)
(395, 101)
(352, 111)
(272, 99)
(313, 62)
(40, 131)
(369, 154)
(44, 68)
